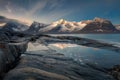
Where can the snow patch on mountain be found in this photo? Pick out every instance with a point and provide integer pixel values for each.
(117, 27)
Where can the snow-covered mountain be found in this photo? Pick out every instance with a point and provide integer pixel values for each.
(63, 26)
(97, 25)
(12, 25)
(35, 27)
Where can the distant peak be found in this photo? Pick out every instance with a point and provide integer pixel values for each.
(97, 19)
(35, 22)
(61, 21)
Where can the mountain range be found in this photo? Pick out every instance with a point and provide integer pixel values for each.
(97, 25)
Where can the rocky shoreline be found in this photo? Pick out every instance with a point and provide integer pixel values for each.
(16, 63)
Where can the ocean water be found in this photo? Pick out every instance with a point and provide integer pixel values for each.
(88, 55)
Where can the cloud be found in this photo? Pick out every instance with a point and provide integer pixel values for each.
(38, 6)
(40, 10)
(48, 11)
(8, 7)
(53, 15)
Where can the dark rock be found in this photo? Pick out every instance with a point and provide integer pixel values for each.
(115, 72)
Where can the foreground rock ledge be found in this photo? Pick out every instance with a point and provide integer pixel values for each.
(49, 65)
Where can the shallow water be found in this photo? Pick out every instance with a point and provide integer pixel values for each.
(94, 56)
(84, 55)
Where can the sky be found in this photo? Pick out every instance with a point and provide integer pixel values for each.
(47, 11)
